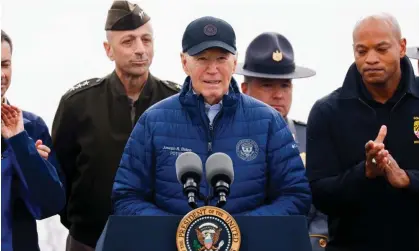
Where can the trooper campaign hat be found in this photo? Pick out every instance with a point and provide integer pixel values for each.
(270, 55)
(413, 52)
(124, 15)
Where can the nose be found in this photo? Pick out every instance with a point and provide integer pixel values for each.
(277, 92)
(212, 67)
(372, 57)
(3, 75)
(139, 48)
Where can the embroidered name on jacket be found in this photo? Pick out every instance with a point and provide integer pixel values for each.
(176, 150)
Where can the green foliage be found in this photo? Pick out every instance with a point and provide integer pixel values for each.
(196, 245)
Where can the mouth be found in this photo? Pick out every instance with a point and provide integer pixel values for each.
(139, 62)
(373, 70)
(277, 107)
(212, 82)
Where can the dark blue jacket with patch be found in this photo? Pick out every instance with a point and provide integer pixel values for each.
(31, 188)
(269, 178)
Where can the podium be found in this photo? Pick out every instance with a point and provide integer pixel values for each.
(158, 233)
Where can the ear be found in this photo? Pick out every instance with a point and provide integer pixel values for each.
(402, 47)
(108, 50)
(184, 61)
(245, 88)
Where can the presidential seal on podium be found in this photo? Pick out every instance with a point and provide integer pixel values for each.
(208, 228)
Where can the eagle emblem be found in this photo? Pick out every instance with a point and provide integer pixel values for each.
(416, 128)
(209, 237)
(247, 149)
(277, 56)
(208, 228)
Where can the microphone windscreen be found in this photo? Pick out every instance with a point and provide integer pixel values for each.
(188, 164)
(219, 164)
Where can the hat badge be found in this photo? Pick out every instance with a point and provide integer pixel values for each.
(210, 30)
(277, 56)
(141, 14)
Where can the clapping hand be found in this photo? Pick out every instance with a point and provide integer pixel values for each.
(381, 163)
(396, 176)
(11, 121)
(376, 155)
(43, 150)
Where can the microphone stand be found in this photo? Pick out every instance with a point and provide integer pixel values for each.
(190, 189)
(222, 188)
(220, 203)
(206, 199)
(223, 191)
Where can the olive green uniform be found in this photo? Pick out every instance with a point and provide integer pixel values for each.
(91, 127)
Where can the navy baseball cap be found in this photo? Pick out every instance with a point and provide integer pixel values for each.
(208, 32)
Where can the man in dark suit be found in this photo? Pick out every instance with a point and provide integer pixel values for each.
(268, 71)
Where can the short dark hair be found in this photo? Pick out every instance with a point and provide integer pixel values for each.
(248, 79)
(6, 38)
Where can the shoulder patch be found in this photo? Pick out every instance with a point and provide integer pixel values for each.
(300, 123)
(172, 85)
(83, 86)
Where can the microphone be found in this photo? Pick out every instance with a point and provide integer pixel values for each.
(189, 173)
(220, 174)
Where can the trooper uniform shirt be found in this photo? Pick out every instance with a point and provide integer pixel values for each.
(317, 221)
(298, 130)
(92, 125)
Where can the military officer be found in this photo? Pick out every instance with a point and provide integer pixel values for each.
(413, 52)
(268, 71)
(95, 118)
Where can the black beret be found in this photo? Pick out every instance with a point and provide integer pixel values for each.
(124, 15)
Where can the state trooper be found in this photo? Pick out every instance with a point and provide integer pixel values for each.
(268, 71)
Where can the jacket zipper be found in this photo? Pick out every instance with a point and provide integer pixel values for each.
(394, 107)
(211, 134)
(363, 102)
(210, 137)
(211, 128)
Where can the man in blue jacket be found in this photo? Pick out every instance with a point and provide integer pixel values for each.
(363, 146)
(269, 70)
(30, 185)
(211, 115)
